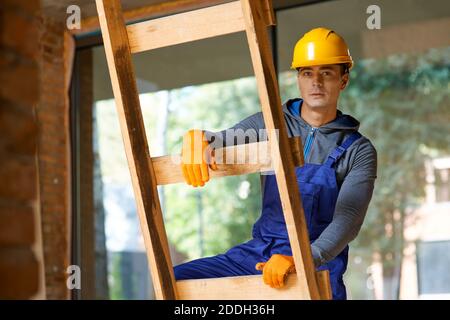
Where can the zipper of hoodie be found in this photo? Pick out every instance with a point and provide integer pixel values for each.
(309, 143)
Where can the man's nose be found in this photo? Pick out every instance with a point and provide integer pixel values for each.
(317, 80)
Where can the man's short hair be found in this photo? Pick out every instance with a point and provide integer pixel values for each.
(345, 69)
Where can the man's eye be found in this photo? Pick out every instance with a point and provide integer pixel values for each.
(325, 73)
(306, 74)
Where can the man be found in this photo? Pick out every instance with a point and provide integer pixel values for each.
(336, 183)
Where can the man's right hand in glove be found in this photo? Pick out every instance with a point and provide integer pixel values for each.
(195, 156)
(276, 269)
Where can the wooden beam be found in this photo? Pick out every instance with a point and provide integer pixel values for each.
(91, 24)
(191, 26)
(239, 288)
(166, 8)
(269, 13)
(230, 288)
(186, 27)
(242, 159)
(323, 282)
(123, 81)
(258, 41)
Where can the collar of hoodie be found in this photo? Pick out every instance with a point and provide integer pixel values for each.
(341, 122)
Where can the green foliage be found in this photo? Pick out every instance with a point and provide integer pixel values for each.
(115, 283)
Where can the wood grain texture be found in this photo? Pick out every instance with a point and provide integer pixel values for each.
(152, 11)
(123, 80)
(269, 13)
(323, 281)
(186, 27)
(238, 288)
(285, 175)
(247, 288)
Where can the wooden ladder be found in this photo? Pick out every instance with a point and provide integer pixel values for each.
(253, 17)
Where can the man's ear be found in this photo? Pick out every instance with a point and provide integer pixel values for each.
(344, 81)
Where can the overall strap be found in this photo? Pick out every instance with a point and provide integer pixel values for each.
(337, 153)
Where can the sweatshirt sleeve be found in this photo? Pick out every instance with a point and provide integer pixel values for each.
(351, 207)
(250, 129)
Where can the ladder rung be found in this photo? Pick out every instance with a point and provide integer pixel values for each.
(168, 170)
(230, 288)
(185, 27)
(239, 288)
(189, 26)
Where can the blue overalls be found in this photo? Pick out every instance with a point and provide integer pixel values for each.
(319, 192)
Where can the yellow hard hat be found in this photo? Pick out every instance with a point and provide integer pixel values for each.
(321, 46)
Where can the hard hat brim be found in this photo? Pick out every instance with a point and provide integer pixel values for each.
(318, 62)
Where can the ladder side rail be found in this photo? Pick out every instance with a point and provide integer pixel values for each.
(123, 81)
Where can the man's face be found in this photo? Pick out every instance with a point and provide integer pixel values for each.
(320, 86)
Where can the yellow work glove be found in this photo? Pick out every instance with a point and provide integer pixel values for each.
(195, 156)
(276, 269)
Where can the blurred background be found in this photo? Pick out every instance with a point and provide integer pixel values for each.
(84, 207)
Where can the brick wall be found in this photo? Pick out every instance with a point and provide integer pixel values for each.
(21, 274)
(54, 153)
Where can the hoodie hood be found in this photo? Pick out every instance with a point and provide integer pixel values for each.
(341, 122)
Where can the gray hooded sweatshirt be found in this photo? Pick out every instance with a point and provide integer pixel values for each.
(356, 171)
